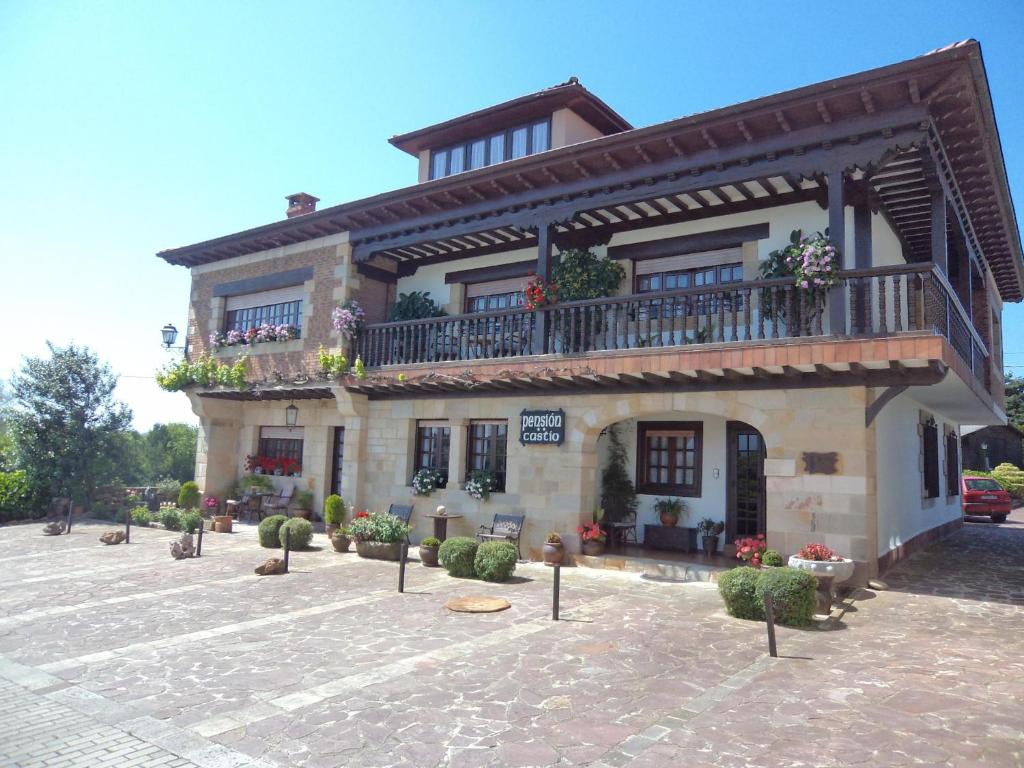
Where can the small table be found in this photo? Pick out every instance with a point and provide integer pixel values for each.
(441, 524)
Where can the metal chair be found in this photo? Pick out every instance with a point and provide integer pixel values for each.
(623, 531)
(504, 528)
(277, 505)
(403, 512)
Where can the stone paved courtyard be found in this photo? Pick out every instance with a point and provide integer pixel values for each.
(119, 656)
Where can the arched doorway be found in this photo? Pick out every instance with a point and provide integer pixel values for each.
(745, 497)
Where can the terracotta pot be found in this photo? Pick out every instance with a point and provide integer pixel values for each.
(709, 544)
(331, 529)
(340, 542)
(553, 553)
(593, 548)
(222, 523)
(669, 520)
(377, 550)
(428, 556)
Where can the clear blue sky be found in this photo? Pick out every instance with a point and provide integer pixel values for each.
(130, 127)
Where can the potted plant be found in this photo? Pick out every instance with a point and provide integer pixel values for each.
(554, 551)
(709, 531)
(341, 540)
(334, 513)
(428, 551)
(592, 538)
(304, 504)
(827, 567)
(750, 549)
(480, 484)
(425, 482)
(378, 536)
(669, 510)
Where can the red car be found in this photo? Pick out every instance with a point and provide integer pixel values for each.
(984, 496)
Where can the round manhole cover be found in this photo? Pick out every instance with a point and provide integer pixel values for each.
(477, 604)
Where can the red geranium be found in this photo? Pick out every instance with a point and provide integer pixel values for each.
(362, 513)
(819, 553)
(751, 549)
(590, 532)
(540, 293)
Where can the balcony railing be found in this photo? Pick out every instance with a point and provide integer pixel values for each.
(879, 302)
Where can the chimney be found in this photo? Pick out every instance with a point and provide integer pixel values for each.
(300, 204)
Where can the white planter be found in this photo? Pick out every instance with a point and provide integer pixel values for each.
(838, 571)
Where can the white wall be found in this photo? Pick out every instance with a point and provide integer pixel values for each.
(711, 502)
(902, 513)
(431, 277)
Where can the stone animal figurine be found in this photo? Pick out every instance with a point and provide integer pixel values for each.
(183, 547)
(56, 528)
(112, 537)
(271, 567)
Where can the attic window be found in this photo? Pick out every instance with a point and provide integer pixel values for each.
(498, 147)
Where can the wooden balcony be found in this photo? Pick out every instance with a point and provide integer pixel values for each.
(881, 302)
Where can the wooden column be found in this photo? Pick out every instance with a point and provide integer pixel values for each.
(939, 251)
(837, 234)
(545, 263)
(862, 259)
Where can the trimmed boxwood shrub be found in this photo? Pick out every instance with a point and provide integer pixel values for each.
(300, 533)
(792, 592)
(141, 516)
(771, 557)
(457, 556)
(334, 510)
(738, 589)
(170, 519)
(188, 496)
(269, 529)
(191, 520)
(495, 560)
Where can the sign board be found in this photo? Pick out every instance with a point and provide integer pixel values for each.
(542, 427)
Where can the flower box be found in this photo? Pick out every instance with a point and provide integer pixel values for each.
(376, 550)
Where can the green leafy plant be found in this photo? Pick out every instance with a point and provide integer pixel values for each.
(709, 527)
(430, 541)
(299, 531)
(582, 274)
(618, 494)
(738, 589)
(377, 526)
(168, 488)
(268, 531)
(334, 510)
(495, 560)
(331, 364)
(204, 371)
(359, 369)
(304, 500)
(250, 483)
(553, 538)
(188, 496)
(191, 520)
(480, 484)
(671, 507)
(141, 516)
(457, 555)
(792, 591)
(772, 558)
(15, 496)
(170, 519)
(1011, 478)
(415, 305)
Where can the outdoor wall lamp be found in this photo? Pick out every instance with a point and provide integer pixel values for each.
(170, 334)
(291, 416)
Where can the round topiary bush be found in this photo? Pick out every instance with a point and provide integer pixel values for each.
(771, 557)
(457, 555)
(170, 519)
(334, 510)
(188, 496)
(268, 531)
(792, 592)
(495, 560)
(191, 520)
(738, 589)
(300, 533)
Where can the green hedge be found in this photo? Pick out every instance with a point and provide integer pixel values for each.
(300, 533)
(1011, 478)
(141, 516)
(188, 496)
(792, 592)
(170, 519)
(16, 501)
(495, 560)
(269, 530)
(738, 589)
(191, 520)
(457, 555)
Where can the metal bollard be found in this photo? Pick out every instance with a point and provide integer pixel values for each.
(287, 541)
(199, 541)
(127, 526)
(769, 615)
(554, 592)
(401, 566)
(70, 508)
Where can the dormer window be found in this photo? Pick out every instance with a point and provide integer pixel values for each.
(497, 148)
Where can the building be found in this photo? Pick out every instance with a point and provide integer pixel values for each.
(809, 415)
(987, 447)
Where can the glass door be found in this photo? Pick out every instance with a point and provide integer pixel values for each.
(338, 456)
(745, 512)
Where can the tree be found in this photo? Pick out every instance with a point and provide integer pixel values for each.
(170, 452)
(1015, 400)
(618, 495)
(6, 439)
(65, 423)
